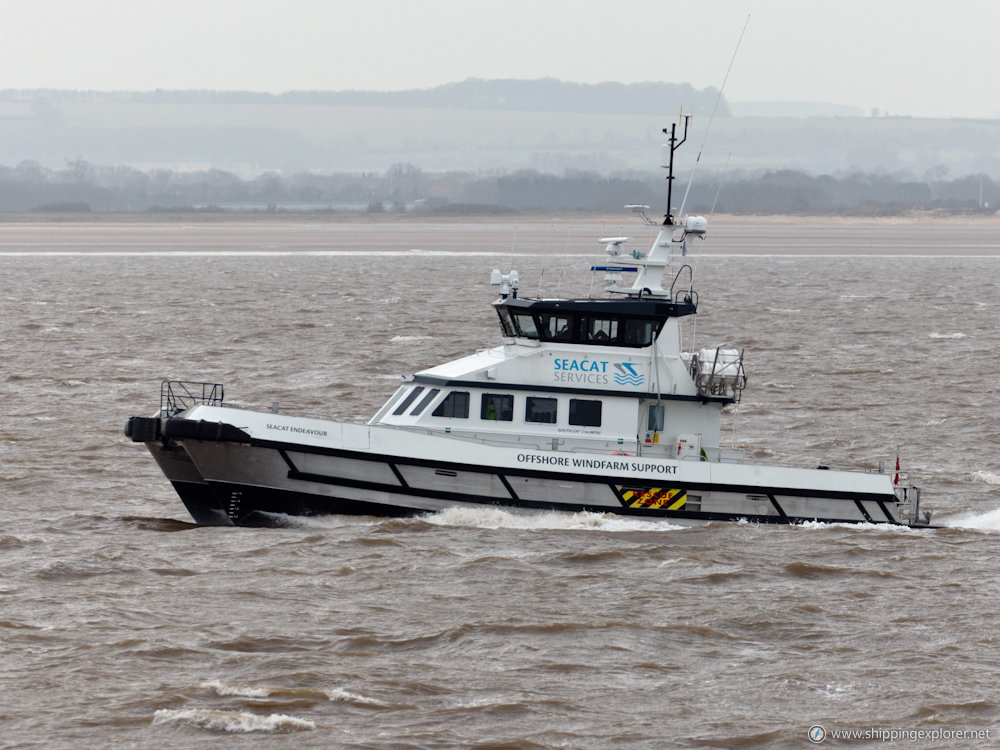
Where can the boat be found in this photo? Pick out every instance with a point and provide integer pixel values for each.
(588, 404)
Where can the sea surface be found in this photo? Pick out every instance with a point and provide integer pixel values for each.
(123, 625)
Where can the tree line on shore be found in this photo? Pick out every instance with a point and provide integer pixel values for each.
(85, 187)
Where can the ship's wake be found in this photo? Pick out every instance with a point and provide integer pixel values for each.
(988, 521)
(496, 518)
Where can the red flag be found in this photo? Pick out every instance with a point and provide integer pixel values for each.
(896, 480)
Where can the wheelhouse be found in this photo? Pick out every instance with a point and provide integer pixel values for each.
(591, 322)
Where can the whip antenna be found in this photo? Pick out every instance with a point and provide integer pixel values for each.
(721, 181)
(718, 98)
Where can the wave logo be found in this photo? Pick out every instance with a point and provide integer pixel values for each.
(627, 374)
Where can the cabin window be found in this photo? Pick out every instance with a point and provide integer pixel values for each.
(654, 421)
(556, 327)
(505, 323)
(405, 404)
(601, 329)
(455, 405)
(537, 409)
(584, 413)
(639, 332)
(431, 395)
(525, 324)
(497, 406)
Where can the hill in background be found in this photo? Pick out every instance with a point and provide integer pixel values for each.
(473, 125)
(476, 146)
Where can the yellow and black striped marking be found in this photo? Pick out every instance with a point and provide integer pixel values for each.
(654, 498)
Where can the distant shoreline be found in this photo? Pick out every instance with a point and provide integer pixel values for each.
(316, 217)
(552, 234)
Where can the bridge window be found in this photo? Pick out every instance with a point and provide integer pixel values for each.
(639, 332)
(584, 413)
(537, 409)
(525, 324)
(556, 327)
(601, 330)
(580, 328)
(431, 395)
(455, 405)
(497, 406)
(405, 404)
(505, 323)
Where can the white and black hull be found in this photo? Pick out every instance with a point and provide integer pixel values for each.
(234, 467)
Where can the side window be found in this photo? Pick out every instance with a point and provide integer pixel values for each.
(456, 405)
(405, 403)
(638, 332)
(556, 327)
(537, 409)
(525, 325)
(505, 323)
(602, 329)
(431, 394)
(654, 423)
(497, 406)
(584, 413)
(424, 401)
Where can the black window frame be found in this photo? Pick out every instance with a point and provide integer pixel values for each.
(656, 416)
(632, 334)
(407, 401)
(506, 325)
(517, 316)
(425, 401)
(600, 336)
(529, 405)
(448, 403)
(581, 420)
(503, 403)
(556, 326)
(581, 327)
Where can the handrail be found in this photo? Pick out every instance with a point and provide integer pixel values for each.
(178, 395)
(725, 378)
(680, 294)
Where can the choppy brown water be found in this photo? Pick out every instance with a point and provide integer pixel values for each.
(122, 625)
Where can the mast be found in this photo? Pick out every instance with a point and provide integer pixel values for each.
(674, 144)
(649, 267)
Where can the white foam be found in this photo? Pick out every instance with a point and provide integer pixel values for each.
(495, 518)
(833, 690)
(989, 521)
(231, 721)
(863, 525)
(986, 477)
(339, 694)
(221, 688)
(331, 521)
(245, 691)
(948, 336)
(397, 339)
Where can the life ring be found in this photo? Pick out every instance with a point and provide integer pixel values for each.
(620, 453)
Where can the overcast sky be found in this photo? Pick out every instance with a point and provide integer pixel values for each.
(923, 58)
